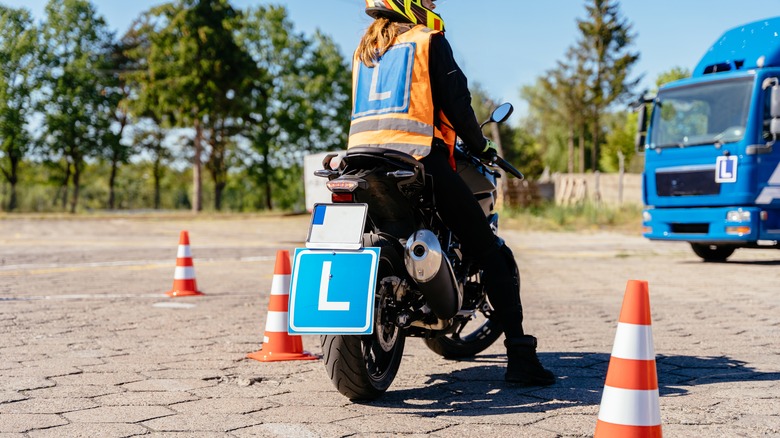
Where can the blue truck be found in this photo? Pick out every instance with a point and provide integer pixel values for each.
(712, 168)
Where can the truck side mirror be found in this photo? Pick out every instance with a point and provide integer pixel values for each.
(641, 131)
(774, 104)
(774, 126)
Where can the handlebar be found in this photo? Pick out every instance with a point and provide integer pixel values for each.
(508, 168)
(495, 162)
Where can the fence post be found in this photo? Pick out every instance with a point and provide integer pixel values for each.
(621, 160)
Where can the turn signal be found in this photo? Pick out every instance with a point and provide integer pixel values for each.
(738, 230)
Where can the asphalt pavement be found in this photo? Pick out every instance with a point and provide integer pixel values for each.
(92, 346)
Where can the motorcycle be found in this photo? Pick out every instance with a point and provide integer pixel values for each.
(424, 286)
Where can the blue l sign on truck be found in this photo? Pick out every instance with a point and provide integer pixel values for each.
(332, 292)
(726, 169)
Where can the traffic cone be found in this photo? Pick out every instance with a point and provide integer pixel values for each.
(629, 403)
(278, 345)
(184, 276)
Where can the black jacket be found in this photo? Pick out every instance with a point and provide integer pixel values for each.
(451, 93)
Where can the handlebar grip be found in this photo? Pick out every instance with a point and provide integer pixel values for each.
(508, 168)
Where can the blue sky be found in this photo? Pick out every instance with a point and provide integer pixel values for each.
(505, 44)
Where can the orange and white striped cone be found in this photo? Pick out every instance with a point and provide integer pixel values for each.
(278, 345)
(629, 403)
(184, 284)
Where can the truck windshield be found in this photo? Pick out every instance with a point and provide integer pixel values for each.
(715, 112)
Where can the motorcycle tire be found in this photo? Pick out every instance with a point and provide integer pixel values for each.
(459, 346)
(363, 367)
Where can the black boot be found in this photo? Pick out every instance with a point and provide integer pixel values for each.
(523, 366)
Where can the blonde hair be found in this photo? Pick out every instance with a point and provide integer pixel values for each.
(378, 38)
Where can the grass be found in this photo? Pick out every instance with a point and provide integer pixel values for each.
(584, 217)
(546, 217)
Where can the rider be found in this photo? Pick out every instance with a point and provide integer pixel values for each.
(410, 95)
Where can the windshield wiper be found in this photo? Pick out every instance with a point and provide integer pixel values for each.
(671, 145)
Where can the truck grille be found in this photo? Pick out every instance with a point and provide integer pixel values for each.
(690, 228)
(687, 183)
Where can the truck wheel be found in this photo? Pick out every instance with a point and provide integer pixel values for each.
(712, 253)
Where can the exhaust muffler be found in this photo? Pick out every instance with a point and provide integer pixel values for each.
(427, 264)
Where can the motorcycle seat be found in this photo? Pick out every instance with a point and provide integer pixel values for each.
(390, 154)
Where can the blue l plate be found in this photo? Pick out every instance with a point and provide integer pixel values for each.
(332, 292)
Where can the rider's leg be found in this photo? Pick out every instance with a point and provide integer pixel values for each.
(463, 214)
(523, 366)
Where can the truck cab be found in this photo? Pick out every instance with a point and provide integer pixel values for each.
(712, 168)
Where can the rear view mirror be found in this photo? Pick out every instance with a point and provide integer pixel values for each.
(774, 126)
(641, 130)
(502, 113)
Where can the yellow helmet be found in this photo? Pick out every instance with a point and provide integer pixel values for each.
(405, 11)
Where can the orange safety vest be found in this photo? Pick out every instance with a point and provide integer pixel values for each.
(392, 102)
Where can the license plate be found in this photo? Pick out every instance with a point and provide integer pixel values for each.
(337, 226)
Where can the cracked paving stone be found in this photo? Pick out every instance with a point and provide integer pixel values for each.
(144, 398)
(168, 385)
(275, 430)
(21, 423)
(99, 379)
(223, 406)
(84, 430)
(201, 422)
(10, 396)
(47, 406)
(118, 414)
(25, 383)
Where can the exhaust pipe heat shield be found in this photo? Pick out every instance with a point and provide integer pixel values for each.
(427, 264)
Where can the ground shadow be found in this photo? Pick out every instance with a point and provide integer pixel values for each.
(754, 262)
(735, 262)
(480, 389)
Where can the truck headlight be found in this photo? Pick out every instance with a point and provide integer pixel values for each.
(738, 216)
(646, 216)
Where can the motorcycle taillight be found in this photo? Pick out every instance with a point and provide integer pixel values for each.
(342, 197)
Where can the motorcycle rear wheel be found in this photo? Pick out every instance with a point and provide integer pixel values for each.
(363, 367)
(469, 339)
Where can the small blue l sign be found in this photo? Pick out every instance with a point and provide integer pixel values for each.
(332, 292)
(726, 169)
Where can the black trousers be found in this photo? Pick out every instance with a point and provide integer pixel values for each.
(461, 211)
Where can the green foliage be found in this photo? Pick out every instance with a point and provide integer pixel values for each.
(193, 70)
(76, 113)
(244, 95)
(620, 141)
(569, 102)
(18, 70)
(546, 128)
(671, 75)
(300, 101)
(517, 145)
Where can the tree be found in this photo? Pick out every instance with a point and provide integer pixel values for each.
(149, 136)
(619, 141)
(18, 76)
(192, 69)
(300, 98)
(673, 74)
(604, 42)
(76, 111)
(558, 102)
(546, 124)
(116, 90)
